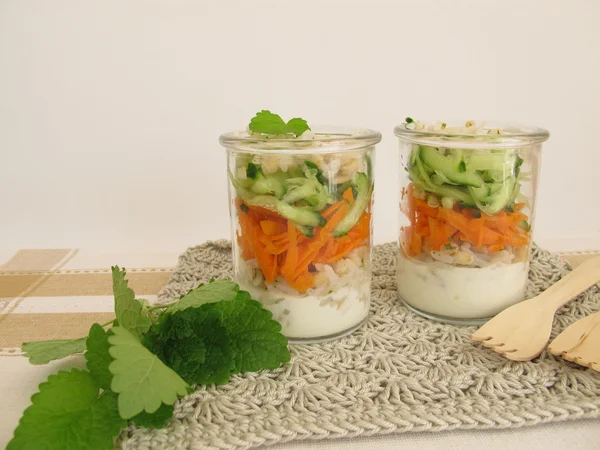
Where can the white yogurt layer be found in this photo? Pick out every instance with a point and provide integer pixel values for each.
(310, 316)
(461, 292)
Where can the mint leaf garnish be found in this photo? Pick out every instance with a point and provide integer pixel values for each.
(69, 414)
(215, 291)
(42, 352)
(266, 122)
(256, 337)
(296, 126)
(142, 381)
(195, 344)
(157, 420)
(97, 356)
(127, 309)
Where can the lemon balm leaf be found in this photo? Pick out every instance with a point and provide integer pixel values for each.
(127, 309)
(255, 335)
(69, 414)
(266, 122)
(42, 352)
(194, 344)
(296, 126)
(97, 356)
(216, 291)
(142, 381)
(157, 420)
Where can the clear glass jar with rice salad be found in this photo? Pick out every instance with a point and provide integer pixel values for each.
(468, 192)
(301, 226)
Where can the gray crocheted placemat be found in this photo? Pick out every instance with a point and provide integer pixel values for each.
(398, 373)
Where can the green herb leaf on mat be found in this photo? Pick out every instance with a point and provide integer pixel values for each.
(256, 336)
(266, 122)
(97, 356)
(195, 344)
(127, 309)
(209, 334)
(215, 291)
(158, 419)
(69, 414)
(42, 352)
(142, 381)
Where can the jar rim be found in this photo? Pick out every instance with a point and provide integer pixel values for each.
(515, 135)
(330, 139)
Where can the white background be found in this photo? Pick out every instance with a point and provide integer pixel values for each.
(110, 110)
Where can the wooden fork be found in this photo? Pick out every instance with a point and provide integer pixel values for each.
(580, 342)
(521, 332)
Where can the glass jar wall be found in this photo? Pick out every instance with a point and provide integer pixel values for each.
(466, 216)
(301, 227)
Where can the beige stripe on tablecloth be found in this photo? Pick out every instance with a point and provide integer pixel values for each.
(43, 262)
(19, 328)
(34, 260)
(71, 284)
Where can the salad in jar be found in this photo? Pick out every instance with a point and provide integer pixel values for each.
(467, 205)
(301, 219)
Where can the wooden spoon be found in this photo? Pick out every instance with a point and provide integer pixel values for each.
(521, 332)
(580, 342)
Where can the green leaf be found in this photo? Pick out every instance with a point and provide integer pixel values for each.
(256, 337)
(42, 352)
(127, 309)
(252, 170)
(157, 420)
(97, 356)
(68, 414)
(194, 344)
(142, 381)
(409, 120)
(266, 122)
(296, 126)
(216, 291)
(174, 341)
(524, 225)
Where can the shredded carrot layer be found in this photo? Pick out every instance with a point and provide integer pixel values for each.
(282, 250)
(433, 228)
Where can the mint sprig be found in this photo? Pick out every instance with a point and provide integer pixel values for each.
(266, 122)
(139, 367)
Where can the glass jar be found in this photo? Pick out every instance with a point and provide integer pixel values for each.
(467, 209)
(301, 227)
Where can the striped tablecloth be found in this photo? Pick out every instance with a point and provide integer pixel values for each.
(59, 294)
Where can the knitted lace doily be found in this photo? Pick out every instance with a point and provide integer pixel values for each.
(397, 373)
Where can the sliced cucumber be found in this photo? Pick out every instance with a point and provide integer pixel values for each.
(480, 193)
(298, 215)
(457, 193)
(441, 176)
(440, 163)
(306, 230)
(414, 155)
(267, 185)
(298, 193)
(500, 161)
(360, 205)
(499, 200)
(422, 181)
